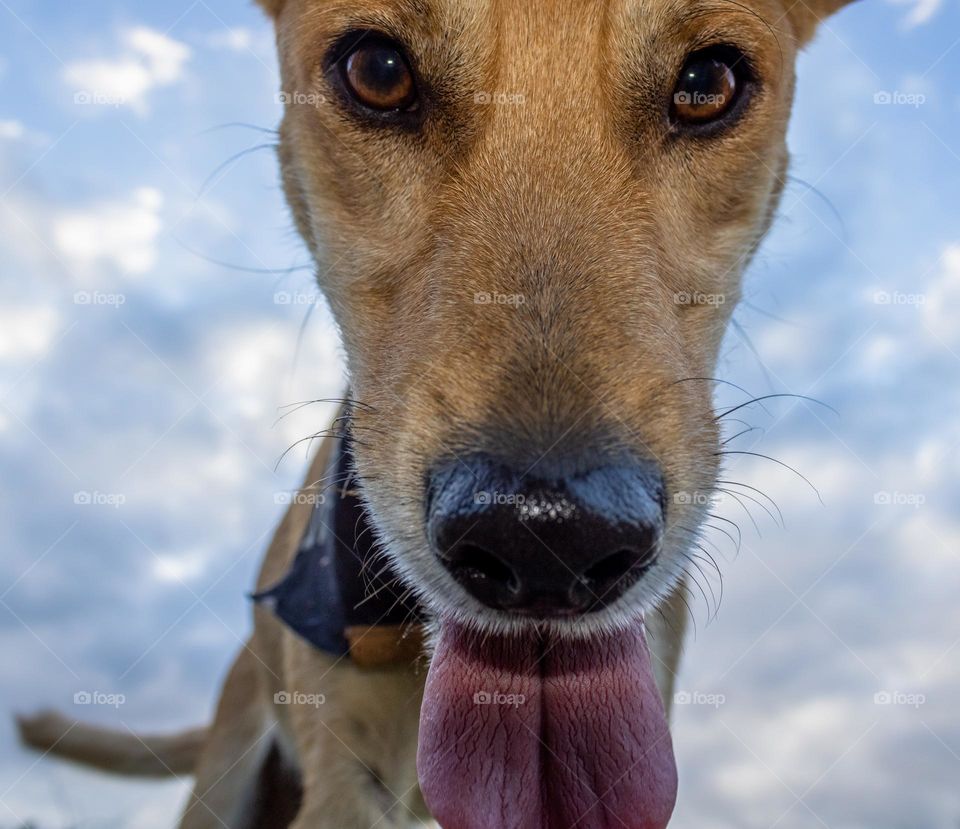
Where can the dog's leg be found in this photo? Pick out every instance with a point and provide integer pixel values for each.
(240, 740)
(665, 635)
(356, 743)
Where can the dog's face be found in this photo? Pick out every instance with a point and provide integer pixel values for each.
(530, 220)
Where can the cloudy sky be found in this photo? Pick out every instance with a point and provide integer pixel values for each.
(140, 383)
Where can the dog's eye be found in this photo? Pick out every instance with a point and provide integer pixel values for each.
(378, 75)
(709, 84)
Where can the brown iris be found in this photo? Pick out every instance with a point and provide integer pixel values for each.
(379, 77)
(705, 90)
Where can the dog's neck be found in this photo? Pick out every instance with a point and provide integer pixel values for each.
(340, 593)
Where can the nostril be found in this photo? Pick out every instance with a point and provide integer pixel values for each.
(619, 569)
(472, 562)
(563, 546)
(612, 567)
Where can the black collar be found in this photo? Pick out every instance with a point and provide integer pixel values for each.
(339, 579)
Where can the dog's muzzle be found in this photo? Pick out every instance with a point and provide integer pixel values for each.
(545, 547)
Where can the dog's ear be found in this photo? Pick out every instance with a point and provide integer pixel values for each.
(272, 7)
(806, 14)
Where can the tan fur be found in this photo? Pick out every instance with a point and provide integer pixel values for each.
(576, 200)
(118, 752)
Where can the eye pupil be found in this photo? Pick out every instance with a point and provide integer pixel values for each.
(378, 75)
(705, 90)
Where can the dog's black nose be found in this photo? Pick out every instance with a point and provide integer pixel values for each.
(545, 547)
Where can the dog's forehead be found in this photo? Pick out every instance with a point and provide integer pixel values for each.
(532, 21)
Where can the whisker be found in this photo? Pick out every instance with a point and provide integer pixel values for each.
(711, 614)
(343, 401)
(744, 507)
(683, 593)
(780, 463)
(324, 433)
(844, 232)
(759, 492)
(242, 268)
(774, 397)
(746, 431)
(699, 536)
(208, 182)
(733, 524)
(759, 503)
(233, 124)
(745, 337)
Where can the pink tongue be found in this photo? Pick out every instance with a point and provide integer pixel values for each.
(528, 733)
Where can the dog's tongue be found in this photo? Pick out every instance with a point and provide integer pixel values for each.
(532, 733)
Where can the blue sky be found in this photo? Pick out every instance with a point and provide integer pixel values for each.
(140, 377)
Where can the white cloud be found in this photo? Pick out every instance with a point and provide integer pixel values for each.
(943, 297)
(11, 130)
(148, 60)
(120, 233)
(921, 11)
(880, 354)
(25, 332)
(179, 568)
(239, 39)
(256, 365)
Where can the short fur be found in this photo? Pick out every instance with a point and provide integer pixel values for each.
(574, 199)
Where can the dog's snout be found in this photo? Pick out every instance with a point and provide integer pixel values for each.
(545, 547)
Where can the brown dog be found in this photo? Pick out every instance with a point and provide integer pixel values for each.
(530, 220)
